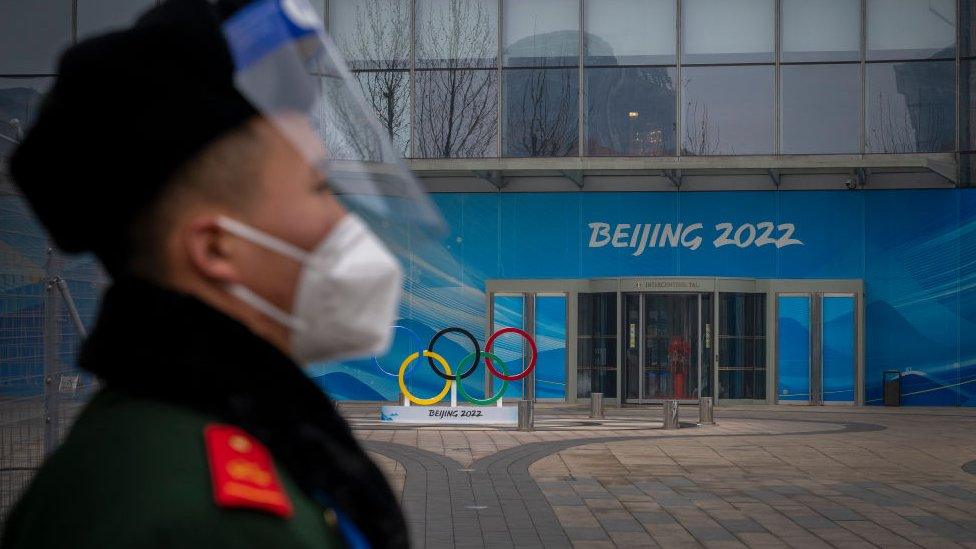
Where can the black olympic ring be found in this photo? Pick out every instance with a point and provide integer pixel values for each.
(465, 333)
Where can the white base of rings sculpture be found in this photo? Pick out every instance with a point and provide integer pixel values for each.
(482, 411)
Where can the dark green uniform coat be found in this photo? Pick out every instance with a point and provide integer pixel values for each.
(134, 472)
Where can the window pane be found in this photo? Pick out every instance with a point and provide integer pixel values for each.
(457, 33)
(541, 33)
(727, 31)
(630, 111)
(629, 32)
(967, 19)
(742, 346)
(911, 29)
(821, 109)
(825, 30)
(388, 92)
(727, 110)
(911, 107)
(541, 112)
(550, 333)
(32, 35)
(456, 113)
(99, 16)
(19, 101)
(372, 34)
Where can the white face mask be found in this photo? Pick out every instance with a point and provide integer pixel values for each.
(347, 296)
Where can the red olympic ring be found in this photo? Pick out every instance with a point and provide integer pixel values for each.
(528, 369)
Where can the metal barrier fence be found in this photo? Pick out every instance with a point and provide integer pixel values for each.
(46, 300)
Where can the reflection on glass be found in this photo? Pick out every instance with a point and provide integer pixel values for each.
(727, 110)
(541, 112)
(388, 93)
(670, 346)
(19, 101)
(911, 107)
(630, 111)
(821, 111)
(597, 345)
(631, 358)
(541, 33)
(456, 113)
(629, 32)
(967, 18)
(509, 312)
(825, 30)
(32, 35)
(742, 346)
(550, 335)
(98, 16)
(793, 348)
(727, 31)
(372, 34)
(911, 29)
(456, 33)
(838, 348)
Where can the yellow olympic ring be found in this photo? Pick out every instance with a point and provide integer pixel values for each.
(424, 401)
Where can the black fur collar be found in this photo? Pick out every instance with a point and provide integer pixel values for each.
(150, 342)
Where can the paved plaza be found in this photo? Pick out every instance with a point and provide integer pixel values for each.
(761, 477)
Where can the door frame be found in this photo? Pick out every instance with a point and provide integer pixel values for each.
(572, 287)
(641, 347)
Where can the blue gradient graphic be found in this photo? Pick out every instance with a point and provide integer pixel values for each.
(793, 328)
(914, 249)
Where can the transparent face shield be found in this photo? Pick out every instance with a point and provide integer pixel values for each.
(293, 74)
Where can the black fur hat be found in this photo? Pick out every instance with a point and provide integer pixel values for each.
(127, 109)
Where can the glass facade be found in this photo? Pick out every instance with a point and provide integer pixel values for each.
(742, 346)
(554, 78)
(597, 341)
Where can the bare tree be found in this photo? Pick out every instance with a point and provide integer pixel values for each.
(379, 50)
(456, 104)
(701, 137)
(919, 127)
(542, 117)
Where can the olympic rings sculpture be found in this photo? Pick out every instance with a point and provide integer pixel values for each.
(465, 367)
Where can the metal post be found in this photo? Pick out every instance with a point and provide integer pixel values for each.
(526, 415)
(70, 303)
(671, 414)
(52, 343)
(705, 412)
(596, 405)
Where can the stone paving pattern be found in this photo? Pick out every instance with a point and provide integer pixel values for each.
(762, 477)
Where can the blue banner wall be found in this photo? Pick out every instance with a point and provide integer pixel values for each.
(915, 250)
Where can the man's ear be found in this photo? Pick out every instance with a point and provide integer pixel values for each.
(210, 250)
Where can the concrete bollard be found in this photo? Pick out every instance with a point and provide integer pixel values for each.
(705, 413)
(671, 414)
(596, 405)
(526, 415)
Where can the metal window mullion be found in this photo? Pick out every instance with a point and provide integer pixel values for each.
(579, 91)
(501, 82)
(412, 146)
(862, 129)
(958, 117)
(777, 76)
(679, 87)
(74, 21)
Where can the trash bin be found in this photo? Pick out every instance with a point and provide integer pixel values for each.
(892, 388)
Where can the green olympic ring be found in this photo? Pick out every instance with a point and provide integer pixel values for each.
(482, 401)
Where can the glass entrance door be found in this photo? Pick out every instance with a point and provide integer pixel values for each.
(664, 344)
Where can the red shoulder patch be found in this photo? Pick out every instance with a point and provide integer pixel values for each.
(242, 472)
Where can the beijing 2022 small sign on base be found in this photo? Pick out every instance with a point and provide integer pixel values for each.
(485, 411)
(446, 415)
